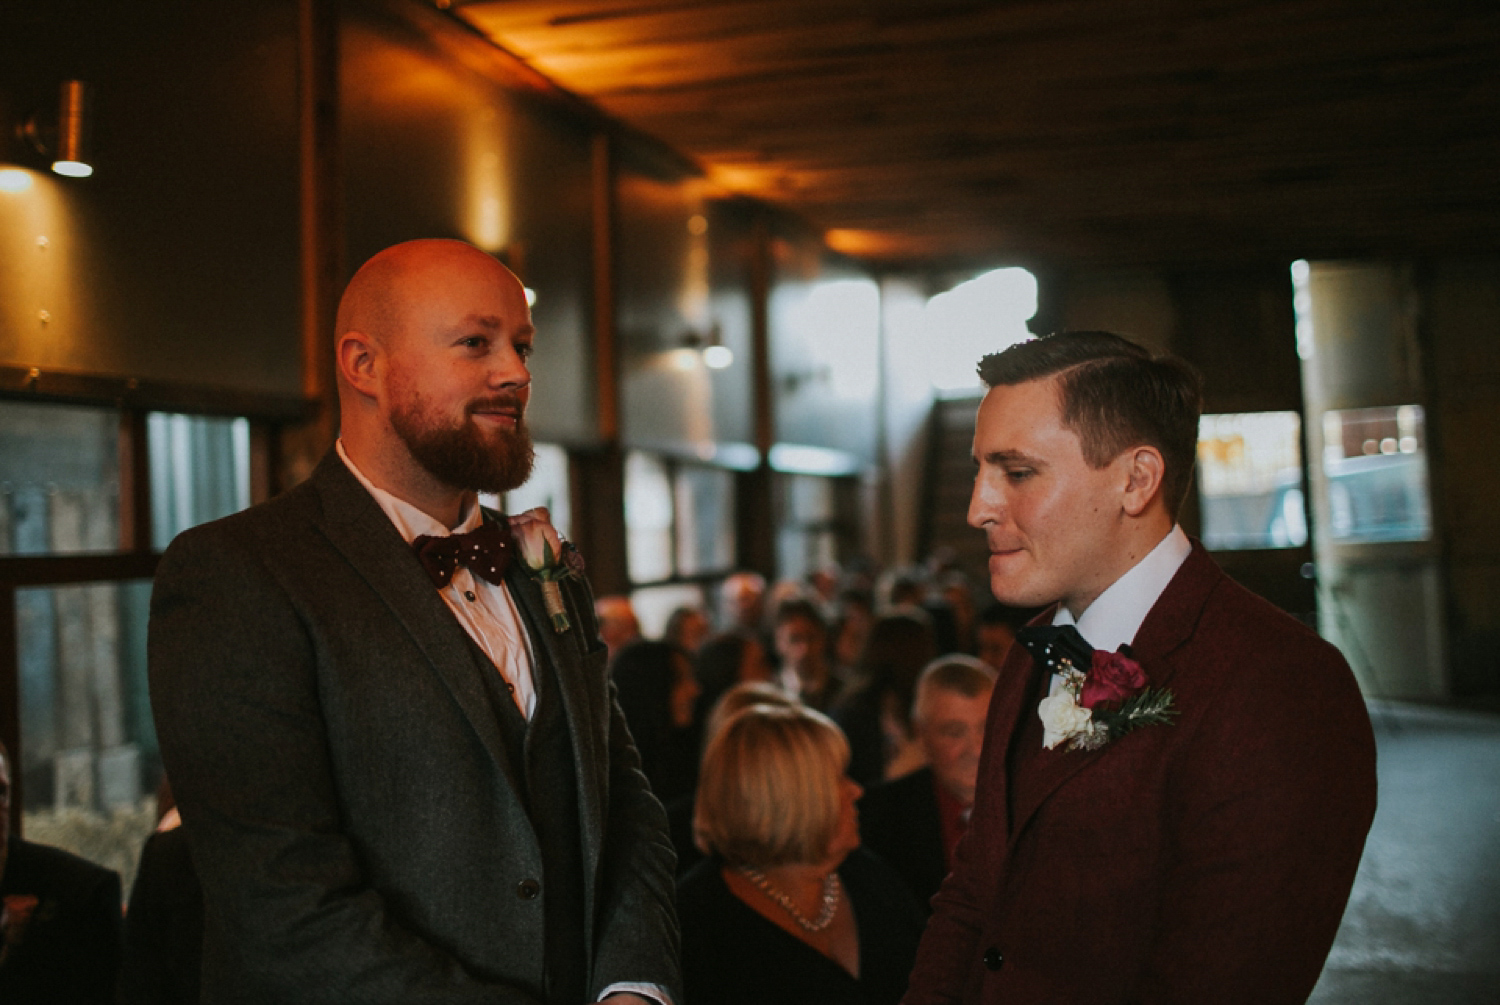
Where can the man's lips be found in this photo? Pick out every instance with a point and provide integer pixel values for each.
(507, 410)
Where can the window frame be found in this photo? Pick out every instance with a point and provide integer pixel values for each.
(137, 555)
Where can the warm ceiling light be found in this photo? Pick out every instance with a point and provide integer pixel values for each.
(14, 180)
(863, 242)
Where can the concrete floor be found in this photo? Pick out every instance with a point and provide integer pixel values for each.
(1423, 922)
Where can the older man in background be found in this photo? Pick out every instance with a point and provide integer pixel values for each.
(914, 822)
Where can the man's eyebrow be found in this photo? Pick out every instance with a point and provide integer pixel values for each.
(495, 323)
(1011, 457)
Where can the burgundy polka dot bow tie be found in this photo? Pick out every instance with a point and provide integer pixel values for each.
(486, 550)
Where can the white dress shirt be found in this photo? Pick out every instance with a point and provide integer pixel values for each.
(1115, 616)
(488, 613)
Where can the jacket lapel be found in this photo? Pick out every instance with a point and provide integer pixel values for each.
(356, 525)
(563, 651)
(1170, 623)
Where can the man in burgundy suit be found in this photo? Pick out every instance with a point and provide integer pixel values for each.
(1177, 820)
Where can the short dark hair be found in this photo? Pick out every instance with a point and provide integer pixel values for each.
(1115, 395)
(801, 607)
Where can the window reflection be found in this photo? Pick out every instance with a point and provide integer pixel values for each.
(200, 471)
(91, 766)
(59, 479)
(1375, 460)
(1250, 480)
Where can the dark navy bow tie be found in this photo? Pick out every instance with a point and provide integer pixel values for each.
(1050, 645)
(486, 550)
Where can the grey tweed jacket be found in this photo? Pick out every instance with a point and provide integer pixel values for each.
(343, 780)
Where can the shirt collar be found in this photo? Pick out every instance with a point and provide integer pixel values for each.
(1114, 617)
(410, 521)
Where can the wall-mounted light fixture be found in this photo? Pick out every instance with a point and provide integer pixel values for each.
(710, 347)
(67, 140)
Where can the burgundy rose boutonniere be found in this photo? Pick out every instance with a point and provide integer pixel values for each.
(547, 558)
(1105, 703)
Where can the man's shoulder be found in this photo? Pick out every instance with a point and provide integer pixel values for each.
(40, 868)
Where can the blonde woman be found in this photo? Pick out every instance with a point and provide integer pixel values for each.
(787, 908)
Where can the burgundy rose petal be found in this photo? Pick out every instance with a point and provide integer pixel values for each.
(1112, 679)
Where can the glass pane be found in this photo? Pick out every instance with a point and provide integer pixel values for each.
(547, 486)
(809, 499)
(89, 762)
(655, 604)
(59, 479)
(648, 518)
(705, 520)
(1250, 480)
(1375, 460)
(200, 471)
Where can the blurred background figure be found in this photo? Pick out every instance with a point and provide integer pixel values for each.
(788, 908)
(727, 659)
(658, 694)
(856, 615)
(914, 822)
(59, 920)
(742, 602)
(957, 595)
(876, 716)
(687, 629)
(802, 644)
(617, 622)
(164, 924)
(995, 631)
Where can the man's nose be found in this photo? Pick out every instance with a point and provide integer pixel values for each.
(510, 371)
(983, 504)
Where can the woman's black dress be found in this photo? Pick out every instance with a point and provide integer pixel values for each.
(733, 956)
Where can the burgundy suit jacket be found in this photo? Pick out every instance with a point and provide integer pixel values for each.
(1204, 861)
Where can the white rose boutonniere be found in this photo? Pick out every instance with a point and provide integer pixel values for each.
(1062, 718)
(547, 558)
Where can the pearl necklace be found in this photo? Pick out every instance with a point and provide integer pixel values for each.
(831, 889)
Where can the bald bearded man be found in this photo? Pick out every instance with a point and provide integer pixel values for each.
(401, 779)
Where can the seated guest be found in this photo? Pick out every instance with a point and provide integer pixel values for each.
(657, 693)
(788, 908)
(725, 660)
(680, 810)
(914, 822)
(802, 644)
(164, 925)
(618, 626)
(59, 920)
(687, 629)
(876, 716)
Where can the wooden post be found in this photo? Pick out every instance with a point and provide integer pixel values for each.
(321, 234)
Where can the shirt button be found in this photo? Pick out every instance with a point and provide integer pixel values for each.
(510, 688)
(992, 958)
(528, 889)
(469, 596)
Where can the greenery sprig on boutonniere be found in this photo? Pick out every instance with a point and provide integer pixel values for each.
(548, 559)
(1104, 704)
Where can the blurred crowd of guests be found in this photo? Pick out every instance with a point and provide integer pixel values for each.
(815, 744)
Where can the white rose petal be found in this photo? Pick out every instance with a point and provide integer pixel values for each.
(1062, 719)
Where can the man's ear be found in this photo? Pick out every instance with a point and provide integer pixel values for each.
(1145, 470)
(358, 360)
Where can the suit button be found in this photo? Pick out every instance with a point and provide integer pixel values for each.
(527, 889)
(993, 959)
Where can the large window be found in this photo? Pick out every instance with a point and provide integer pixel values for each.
(88, 496)
(679, 519)
(1250, 480)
